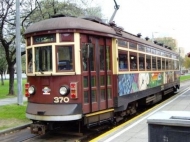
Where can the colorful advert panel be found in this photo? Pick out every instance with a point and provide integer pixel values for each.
(129, 83)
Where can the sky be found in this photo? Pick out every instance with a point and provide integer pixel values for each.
(152, 18)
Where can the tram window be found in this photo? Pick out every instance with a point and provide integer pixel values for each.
(141, 61)
(141, 48)
(162, 54)
(85, 81)
(133, 61)
(102, 92)
(154, 63)
(109, 80)
(158, 52)
(172, 64)
(132, 45)
(163, 64)
(43, 59)
(148, 62)
(93, 81)
(153, 51)
(94, 96)
(123, 60)
(86, 99)
(175, 65)
(102, 80)
(102, 57)
(29, 60)
(167, 64)
(91, 59)
(69, 37)
(148, 50)
(64, 58)
(159, 63)
(122, 43)
(109, 93)
(108, 62)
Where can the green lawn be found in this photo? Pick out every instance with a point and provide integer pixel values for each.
(4, 89)
(185, 77)
(12, 116)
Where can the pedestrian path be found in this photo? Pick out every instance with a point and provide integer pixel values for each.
(8, 101)
(136, 130)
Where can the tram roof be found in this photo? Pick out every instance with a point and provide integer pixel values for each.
(73, 23)
(62, 23)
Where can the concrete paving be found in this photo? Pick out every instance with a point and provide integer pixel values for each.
(8, 101)
(136, 130)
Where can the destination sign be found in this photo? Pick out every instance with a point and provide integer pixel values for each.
(44, 38)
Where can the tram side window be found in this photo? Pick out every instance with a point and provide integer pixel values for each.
(108, 60)
(64, 58)
(102, 57)
(86, 60)
(159, 63)
(141, 61)
(154, 63)
(43, 59)
(132, 45)
(163, 64)
(172, 65)
(175, 65)
(29, 60)
(148, 62)
(167, 67)
(169, 64)
(133, 61)
(123, 60)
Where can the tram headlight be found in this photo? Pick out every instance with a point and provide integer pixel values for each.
(31, 90)
(64, 90)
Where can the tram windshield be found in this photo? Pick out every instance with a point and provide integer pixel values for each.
(64, 58)
(43, 58)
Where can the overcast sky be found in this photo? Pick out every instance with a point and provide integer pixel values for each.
(157, 17)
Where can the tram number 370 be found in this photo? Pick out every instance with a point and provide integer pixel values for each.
(61, 99)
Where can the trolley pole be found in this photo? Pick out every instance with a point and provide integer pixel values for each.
(18, 55)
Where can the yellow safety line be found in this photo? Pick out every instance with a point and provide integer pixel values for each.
(135, 118)
(100, 112)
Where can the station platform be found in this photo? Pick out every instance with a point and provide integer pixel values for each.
(136, 129)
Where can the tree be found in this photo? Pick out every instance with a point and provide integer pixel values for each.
(46, 8)
(168, 41)
(7, 34)
(31, 11)
(3, 64)
(186, 62)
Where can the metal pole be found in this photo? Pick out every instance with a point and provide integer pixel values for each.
(116, 7)
(18, 55)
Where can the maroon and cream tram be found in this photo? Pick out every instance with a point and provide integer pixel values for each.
(83, 71)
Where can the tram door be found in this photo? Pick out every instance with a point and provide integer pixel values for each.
(96, 73)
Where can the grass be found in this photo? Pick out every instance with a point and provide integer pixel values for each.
(185, 77)
(4, 89)
(12, 116)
